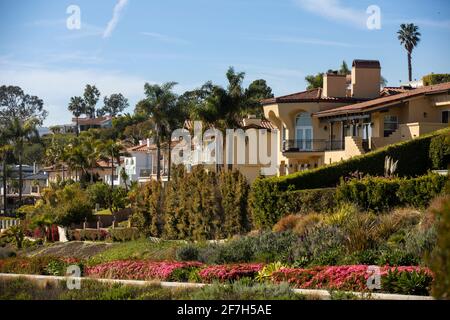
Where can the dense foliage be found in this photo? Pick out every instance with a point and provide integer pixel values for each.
(198, 205)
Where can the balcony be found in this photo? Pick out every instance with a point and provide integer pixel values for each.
(311, 145)
(146, 175)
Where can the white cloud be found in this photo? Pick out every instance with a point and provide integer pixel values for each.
(333, 10)
(120, 5)
(164, 38)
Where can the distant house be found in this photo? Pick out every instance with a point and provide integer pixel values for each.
(85, 124)
(33, 183)
(343, 119)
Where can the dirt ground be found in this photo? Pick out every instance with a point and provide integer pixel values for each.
(77, 249)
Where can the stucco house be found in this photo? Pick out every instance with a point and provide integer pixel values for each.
(344, 119)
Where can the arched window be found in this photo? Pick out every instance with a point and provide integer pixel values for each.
(303, 131)
(303, 119)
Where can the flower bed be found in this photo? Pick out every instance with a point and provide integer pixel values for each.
(229, 272)
(406, 280)
(138, 270)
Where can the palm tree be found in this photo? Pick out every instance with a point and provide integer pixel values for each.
(76, 159)
(160, 104)
(5, 150)
(92, 153)
(56, 154)
(19, 132)
(409, 37)
(77, 106)
(112, 151)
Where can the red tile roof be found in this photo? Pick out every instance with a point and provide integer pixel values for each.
(390, 91)
(313, 95)
(383, 101)
(91, 121)
(265, 124)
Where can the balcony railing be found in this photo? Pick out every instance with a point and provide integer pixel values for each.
(147, 173)
(312, 145)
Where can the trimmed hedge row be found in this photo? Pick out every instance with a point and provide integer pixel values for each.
(378, 194)
(370, 193)
(276, 203)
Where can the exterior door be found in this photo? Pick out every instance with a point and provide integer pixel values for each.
(304, 138)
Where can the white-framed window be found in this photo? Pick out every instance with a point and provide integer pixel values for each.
(390, 124)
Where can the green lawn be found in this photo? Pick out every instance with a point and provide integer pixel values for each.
(138, 249)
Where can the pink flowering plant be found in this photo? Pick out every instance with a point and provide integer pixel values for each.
(416, 280)
(139, 269)
(229, 272)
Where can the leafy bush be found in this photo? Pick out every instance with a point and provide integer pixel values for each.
(88, 234)
(440, 151)
(137, 270)
(229, 272)
(404, 280)
(269, 205)
(381, 194)
(124, 234)
(435, 78)
(187, 253)
(440, 257)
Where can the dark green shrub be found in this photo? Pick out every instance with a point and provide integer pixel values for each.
(87, 234)
(187, 253)
(280, 203)
(397, 257)
(410, 283)
(435, 78)
(440, 151)
(440, 257)
(124, 234)
(382, 194)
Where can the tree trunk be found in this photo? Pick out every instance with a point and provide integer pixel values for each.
(409, 67)
(170, 162)
(78, 128)
(158, 156)
(20, 176)
(5, 197)
(112, 171)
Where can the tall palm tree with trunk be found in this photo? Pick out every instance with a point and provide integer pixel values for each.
(20, 131)
(160, 106)
(77, 106)
(112, 151)
(409, 37)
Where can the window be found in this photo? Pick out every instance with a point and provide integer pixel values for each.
(445, 116)
(390, 125)
(303, 131)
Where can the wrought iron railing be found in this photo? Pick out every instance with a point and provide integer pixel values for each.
(312, 145)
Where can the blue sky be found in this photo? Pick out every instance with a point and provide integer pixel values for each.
(192, 41)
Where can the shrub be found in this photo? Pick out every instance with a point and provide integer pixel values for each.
(229, 272)
(269, 204)
(435, 78)
(405, 280)
(73, 205)
(307, 222)
(440, 151)
(187, 253)
(381, 194)
(99, 193)
(287, 223)
(440, 257)
(88, 234)
(137, 270)
(124, 234)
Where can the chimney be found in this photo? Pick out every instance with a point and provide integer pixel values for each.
(366, 76)
(334, 85)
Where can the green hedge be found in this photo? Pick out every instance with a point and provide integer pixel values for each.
(378, 194)
(431, 79)
(413, 160)
(275, 203)
(124, 234)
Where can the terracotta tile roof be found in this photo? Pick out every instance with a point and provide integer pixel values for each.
(313, 95)
(265, 124)
(383, 101)
(145, 148)
(390, 91)
(93, 121)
